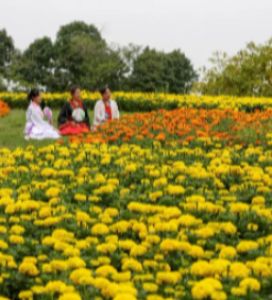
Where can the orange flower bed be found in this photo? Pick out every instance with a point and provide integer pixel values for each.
(182, 125)
(4, 109)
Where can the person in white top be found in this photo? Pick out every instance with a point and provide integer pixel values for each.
(37, 127)
(105, 109)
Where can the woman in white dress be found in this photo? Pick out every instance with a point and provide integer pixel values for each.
(105, 109)
(37, 128)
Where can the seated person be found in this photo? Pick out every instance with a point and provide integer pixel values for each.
(36, 126)
(105, 109)
(73, 118)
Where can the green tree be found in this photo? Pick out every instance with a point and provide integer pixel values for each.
(248, 73)
(179, 72)
(84, 58)
(148, 71)
(158, 71)
(36, 65)
(7, 51)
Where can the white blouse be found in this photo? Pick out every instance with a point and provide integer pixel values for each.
(100, 112)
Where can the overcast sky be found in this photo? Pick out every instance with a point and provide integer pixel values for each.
(197, 27)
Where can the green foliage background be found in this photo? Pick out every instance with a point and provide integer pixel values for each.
(79, 55)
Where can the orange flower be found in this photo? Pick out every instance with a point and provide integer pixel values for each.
(4, 109)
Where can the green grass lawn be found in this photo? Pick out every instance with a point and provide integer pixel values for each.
(12, 130)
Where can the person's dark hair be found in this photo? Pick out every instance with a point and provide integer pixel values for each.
(103, 90)
(73, 89)
(33, 94)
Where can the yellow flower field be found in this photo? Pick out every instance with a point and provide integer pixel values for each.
(137, 101)
(126, 222)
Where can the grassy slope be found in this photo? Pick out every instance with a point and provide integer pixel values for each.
(12, 129)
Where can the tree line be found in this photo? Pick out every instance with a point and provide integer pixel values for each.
(247, 73)
(80, 55)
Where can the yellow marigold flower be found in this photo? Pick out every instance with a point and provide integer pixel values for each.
(106, 247)
(28, 268)
(80, 197)
(196, 251)
(122, 276)
(70, 296)
(228, 252)
(45, 212)
(121, 226)
(105, 189)
(47, 268)
(245, 246)
(124, 296)
(201, 268)
(16, 239)
(138, 250)
(238, 270)
(168, 277)
(100, 229)
(56, 286)
(17, 229)
(58, 265)
(153, 239)
(76, 263)
(3, 245)
(189, 220)
(150, 287)
(71, 251)
(250, 284)
(93, 198)
(195, 199)
(228, 228)
(218, 295)
(99, 178)
(155, 195)
(113, 212)
(160, 182)
(237, 291)
(26, 295)
(131, 264)
(3, 229)
(38, 289)
(130, 168)
(52, 192)
(77, 275)
(239, 207)
(82, 244)
(205, 232)
(48, 172)
(106, 271)
(30, 259)
(260, 268)
(175, 189)
(205, 288)
(155, 297)
(258, 200)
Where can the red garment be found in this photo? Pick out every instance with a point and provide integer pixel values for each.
(108, 111)
(70, 128)
(76, 103)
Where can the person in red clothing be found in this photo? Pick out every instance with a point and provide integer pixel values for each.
(73, 118)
